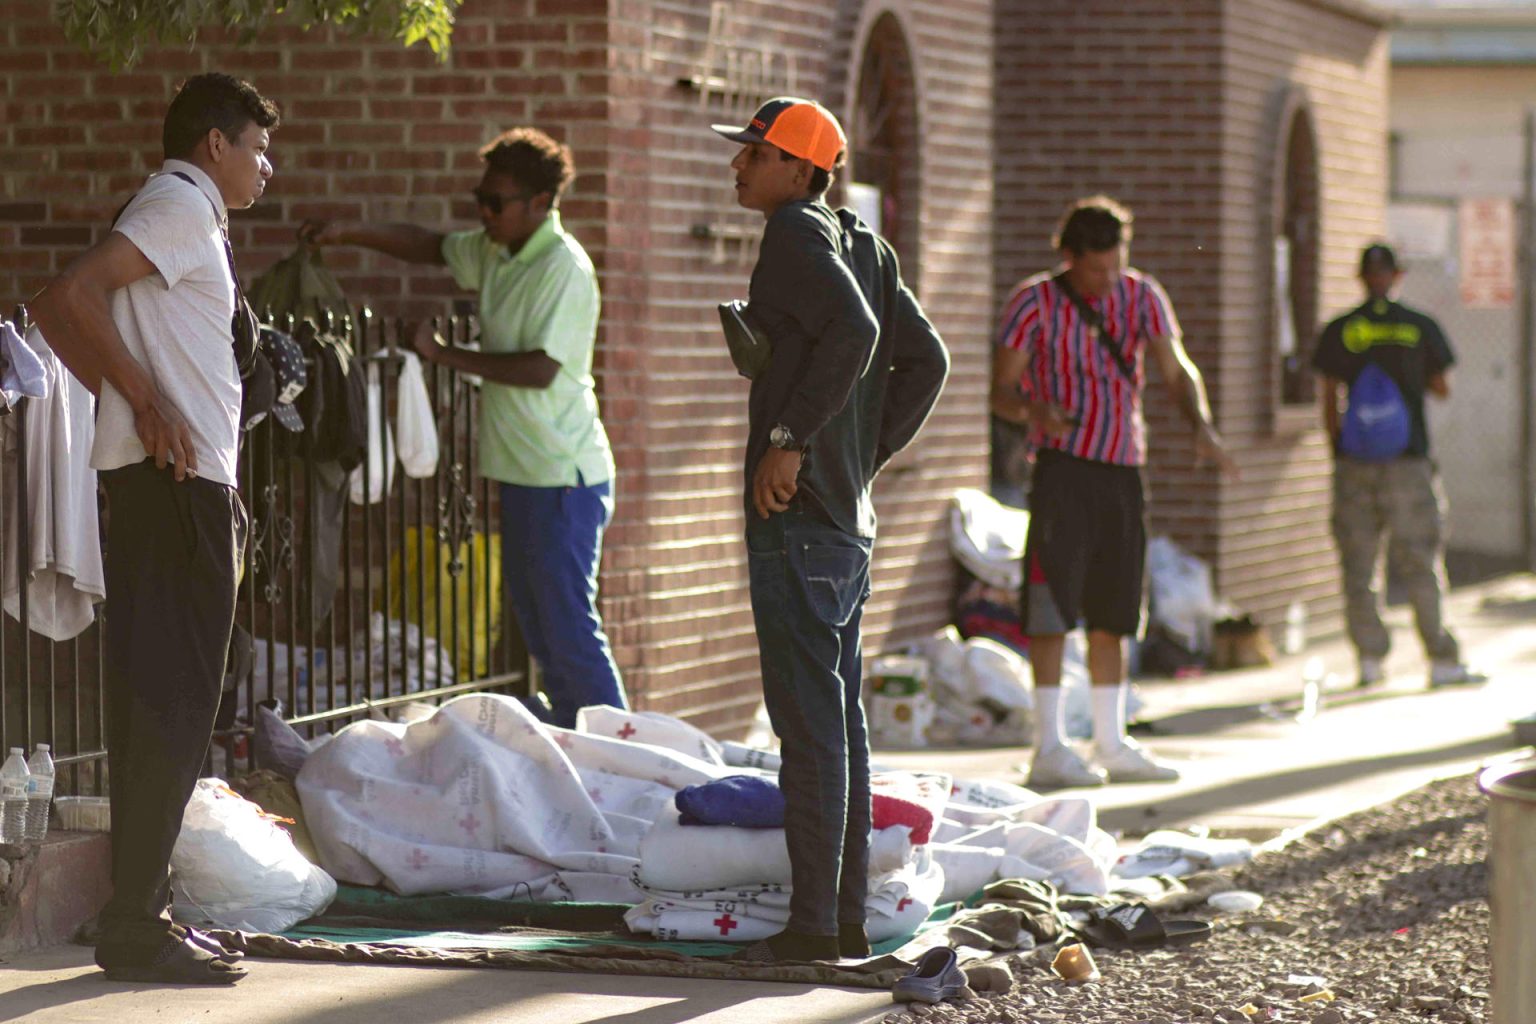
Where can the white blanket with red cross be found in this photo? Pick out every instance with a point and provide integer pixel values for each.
(898, 902)
(481, 797)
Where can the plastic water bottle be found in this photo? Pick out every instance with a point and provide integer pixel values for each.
(13, 797)
(1295, 628)
(39, 793)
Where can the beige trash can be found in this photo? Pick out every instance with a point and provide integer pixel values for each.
(1511, 788)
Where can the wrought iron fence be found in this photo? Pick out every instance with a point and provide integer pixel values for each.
(344, 612)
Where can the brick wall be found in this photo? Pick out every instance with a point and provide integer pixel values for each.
(1165, 110)
(678, 568)
(1275, 545)
(374, 131)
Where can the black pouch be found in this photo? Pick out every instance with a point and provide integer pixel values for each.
(749, 347)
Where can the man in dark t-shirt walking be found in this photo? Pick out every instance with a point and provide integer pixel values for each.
(1399, 496)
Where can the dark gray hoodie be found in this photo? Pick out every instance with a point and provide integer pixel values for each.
(856, 365)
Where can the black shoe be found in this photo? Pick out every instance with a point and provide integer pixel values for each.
(852, 942)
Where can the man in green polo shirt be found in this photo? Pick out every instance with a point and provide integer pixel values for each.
(539, 433)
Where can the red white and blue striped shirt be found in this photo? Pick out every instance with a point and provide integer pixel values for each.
(1069, 368)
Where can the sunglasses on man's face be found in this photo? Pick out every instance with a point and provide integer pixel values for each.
(495, 202)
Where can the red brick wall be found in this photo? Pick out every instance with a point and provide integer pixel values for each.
(1275, 544)
(374, 131)
(677, 569)
(1164, 109)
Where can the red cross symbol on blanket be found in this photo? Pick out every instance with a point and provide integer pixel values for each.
(418, 860)
(903, 904)
(469, 823)
(626, 732)
(725, 922)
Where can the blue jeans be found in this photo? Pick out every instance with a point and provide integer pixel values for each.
(809, 582)
(551, 544)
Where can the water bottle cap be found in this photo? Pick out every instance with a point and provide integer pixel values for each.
(43, 746)
(18, 750)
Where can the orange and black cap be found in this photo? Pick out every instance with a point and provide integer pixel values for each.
(801, 128)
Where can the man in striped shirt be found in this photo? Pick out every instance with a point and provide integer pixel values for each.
(1070, 364)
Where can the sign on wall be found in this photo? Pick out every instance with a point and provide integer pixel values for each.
(1487, 232)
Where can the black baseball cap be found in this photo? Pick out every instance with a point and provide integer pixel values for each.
(1378, 256)
(289, 375)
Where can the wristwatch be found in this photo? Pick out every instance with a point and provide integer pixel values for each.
(780, 437)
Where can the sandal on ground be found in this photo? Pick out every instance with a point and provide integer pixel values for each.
(179, 963)
(1137, 926)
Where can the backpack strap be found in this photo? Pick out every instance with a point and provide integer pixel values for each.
(1096, 326)
(245, 328)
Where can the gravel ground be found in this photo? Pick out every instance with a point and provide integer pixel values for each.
(1388, 907)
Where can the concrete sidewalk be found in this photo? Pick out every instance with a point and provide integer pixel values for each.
(1251, 767)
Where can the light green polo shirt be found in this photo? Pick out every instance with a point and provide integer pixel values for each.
(544, 298)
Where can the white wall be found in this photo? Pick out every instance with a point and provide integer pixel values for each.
(1459, 135)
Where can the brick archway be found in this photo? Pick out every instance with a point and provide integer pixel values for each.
(884, 138)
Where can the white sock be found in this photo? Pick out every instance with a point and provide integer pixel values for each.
(1108, 717)
(1048, 735)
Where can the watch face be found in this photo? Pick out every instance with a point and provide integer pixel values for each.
(780, 437)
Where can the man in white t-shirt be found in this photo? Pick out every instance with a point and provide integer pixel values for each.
(145, 320)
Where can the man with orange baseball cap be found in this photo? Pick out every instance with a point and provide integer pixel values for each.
(851, 371)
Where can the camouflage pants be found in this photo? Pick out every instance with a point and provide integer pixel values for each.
(1402, 501)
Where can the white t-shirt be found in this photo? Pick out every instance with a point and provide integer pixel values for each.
(175, 322)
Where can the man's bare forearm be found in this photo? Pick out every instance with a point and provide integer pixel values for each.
(76, 321)
(408, 242)
(1189, 396)
(515, 369)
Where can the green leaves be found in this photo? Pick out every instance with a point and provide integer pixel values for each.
(118, 31)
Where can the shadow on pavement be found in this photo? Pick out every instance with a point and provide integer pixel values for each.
(1240, 792)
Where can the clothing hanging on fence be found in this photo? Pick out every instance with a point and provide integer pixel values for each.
(372, 481)
(334, 404)
(64, 574)
(24, 375)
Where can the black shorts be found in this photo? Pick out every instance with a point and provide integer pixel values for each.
(1087, 547)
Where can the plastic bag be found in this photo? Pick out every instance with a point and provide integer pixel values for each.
(234, 868)
(1182, 597)
(372, 480)
(997, 676)
(415, 426)
(477, 558)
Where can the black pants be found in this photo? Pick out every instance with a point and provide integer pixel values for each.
(1086, 548)
(173, 552)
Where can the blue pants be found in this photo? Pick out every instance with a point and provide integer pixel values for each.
(809, 583)
(551, 544)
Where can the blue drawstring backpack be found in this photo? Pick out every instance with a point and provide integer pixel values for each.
(1376, 425)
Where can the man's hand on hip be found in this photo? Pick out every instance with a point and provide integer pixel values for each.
(166, 436)
(775, 483)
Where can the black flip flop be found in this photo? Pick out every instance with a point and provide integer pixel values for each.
(1137, 926)
(180, 964)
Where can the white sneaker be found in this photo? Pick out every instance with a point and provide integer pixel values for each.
(1133, 763)
(1061, 768)
(1371, 672)
(1454, 673)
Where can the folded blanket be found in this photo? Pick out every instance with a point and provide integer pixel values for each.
(677, 857)
(744, 801)
(902, 901)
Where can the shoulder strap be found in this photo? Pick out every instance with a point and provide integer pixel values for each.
(1095, 321)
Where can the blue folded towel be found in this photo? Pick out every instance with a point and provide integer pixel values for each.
(746, 801)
